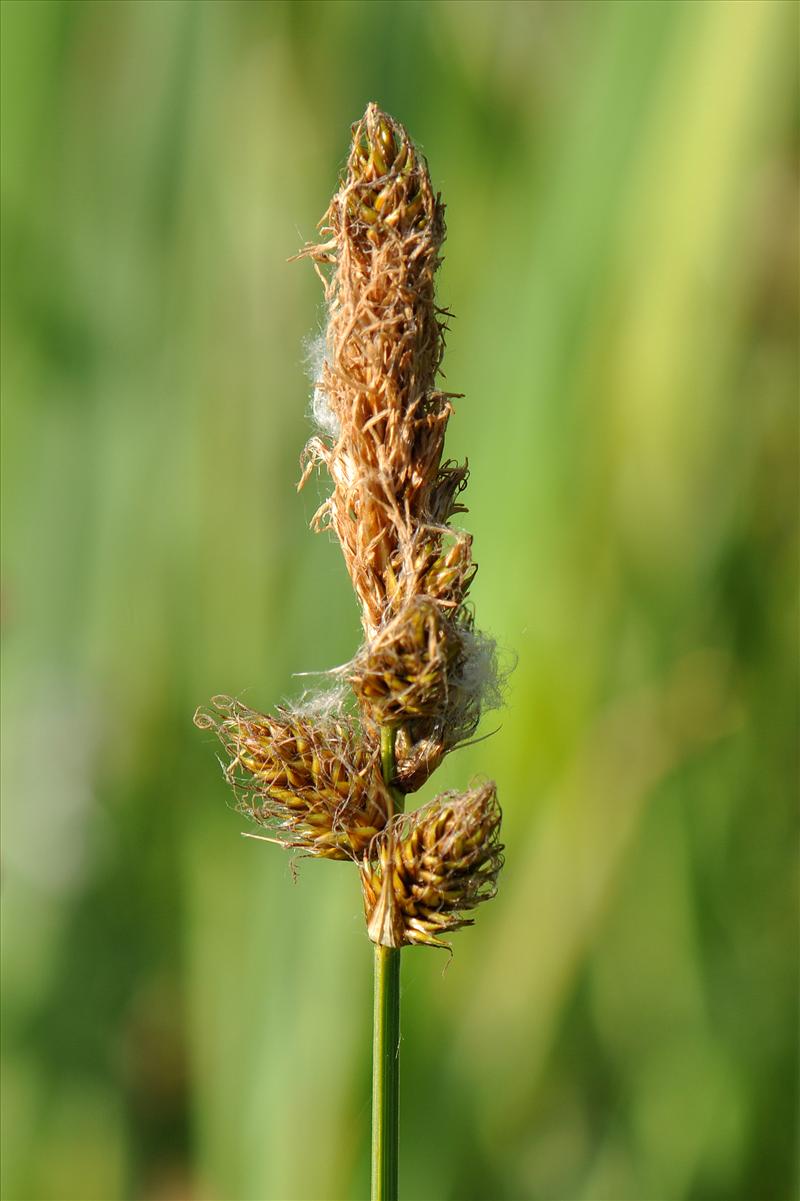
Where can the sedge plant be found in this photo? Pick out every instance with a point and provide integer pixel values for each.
(332, 781)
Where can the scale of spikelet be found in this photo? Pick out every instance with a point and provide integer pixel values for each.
(317, 784)
(434, 865)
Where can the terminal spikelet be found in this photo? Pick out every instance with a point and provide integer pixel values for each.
(318, 784)
(432, 867)
(392, 496)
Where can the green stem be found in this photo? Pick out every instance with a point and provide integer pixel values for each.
(386, 1034)
(389, 766)
(385, 1073)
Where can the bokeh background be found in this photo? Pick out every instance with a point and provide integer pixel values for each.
(182, 1021)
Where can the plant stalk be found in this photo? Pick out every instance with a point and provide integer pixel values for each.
(386, 1034)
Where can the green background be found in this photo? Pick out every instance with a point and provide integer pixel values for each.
(182, 1022)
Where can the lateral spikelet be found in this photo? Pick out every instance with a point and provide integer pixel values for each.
(433, 867)
(315, 783)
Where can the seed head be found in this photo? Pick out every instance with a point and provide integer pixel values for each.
(403, 672)
(433, 866)
(317, 784)
(391, 494)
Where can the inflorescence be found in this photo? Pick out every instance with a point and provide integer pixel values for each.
(423, 673)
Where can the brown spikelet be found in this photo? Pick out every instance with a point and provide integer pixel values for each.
(318, 784)
(433, 866)
(425, 673)
(403, 672)
(392, 497)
